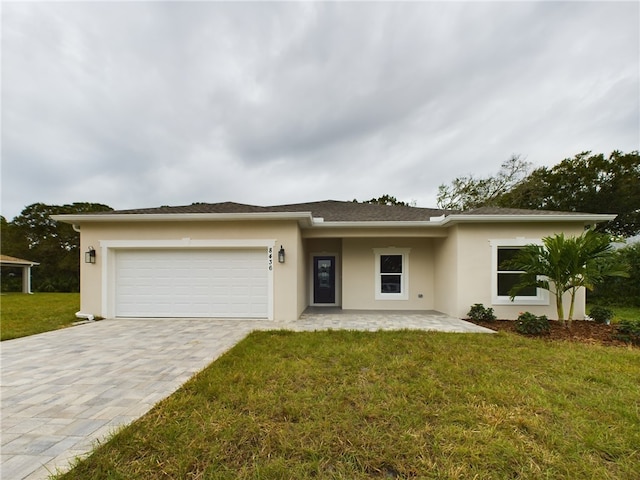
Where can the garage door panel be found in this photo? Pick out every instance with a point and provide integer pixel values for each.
(240, 290)
(200, 291)
(187, 283)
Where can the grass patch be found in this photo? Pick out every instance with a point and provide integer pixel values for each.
(626, 313)
(620, 312)
(361, 405)
(24, 315)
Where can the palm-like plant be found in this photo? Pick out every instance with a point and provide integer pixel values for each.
(565, 264)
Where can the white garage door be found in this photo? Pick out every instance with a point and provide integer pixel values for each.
(192, 283)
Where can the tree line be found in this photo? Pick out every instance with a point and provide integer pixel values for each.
(34, 236)
(589, 183)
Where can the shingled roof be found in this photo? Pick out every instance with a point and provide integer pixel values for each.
(510, 211)
(224, 207)
(333, 211)
(329, 210)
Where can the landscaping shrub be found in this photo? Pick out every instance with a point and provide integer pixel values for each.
(479, 313)
(601, 314)
(629, 331)
(530, 324)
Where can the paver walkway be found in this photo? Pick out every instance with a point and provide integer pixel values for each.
(63, 390)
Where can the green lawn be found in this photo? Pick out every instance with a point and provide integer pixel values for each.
(359, 405)
(24, 314)
(619, 312)
(627, 313)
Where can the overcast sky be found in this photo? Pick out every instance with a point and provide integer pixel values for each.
(157, 103)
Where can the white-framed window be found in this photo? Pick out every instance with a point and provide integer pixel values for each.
(503, 278)
(392, 273)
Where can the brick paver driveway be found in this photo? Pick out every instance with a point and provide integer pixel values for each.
(63, 390)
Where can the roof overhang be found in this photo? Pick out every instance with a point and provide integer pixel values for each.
(320, 223)
(306, 219)
(445, 221)
(303, 218)
(585, 218)
(13, 263)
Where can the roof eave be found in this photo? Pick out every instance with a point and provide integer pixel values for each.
(304, 218)
(468, 218)
(376, 224)
(19, 264)
(586, 218)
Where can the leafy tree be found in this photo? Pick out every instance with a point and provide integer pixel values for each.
(9, 276)
(585, 183)
(385, 200)
(468, 192)
(33, 235)
(564, 264)
(9, 238)
(619, 290)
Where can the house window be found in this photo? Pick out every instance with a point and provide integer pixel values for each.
(508, 277)
(392, 276)
(504, 278)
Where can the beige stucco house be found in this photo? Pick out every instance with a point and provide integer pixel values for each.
(230, 260)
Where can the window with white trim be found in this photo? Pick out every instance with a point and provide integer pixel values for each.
(504, 278)
(392, 273)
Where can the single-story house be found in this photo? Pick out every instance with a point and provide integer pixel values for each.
(231, 260)
(7, 261)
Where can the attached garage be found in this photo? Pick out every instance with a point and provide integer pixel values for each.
(223, 283)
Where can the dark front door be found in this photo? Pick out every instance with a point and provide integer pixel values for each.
(324, 279)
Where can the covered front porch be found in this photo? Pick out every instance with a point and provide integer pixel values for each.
(372, 273)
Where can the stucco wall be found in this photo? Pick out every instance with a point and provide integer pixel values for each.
(474, 266)
(446, 273)
(287, 306)
(301, 278)
(359, 272)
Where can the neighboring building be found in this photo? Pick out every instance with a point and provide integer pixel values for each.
(25, 265)
(221, 260)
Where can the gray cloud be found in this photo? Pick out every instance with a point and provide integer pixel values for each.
(143, 104)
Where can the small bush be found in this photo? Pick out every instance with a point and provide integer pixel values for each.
(601, 314)
(479, 313)
(629, 331)
(530, 324)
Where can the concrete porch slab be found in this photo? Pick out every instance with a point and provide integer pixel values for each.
(324, 318)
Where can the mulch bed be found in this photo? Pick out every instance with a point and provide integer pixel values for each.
(581, 331)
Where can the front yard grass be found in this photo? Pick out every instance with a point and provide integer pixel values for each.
(24, 314)
(619, 312)
(627, 313)
(361, 405)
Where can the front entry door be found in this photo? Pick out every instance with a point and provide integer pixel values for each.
(324, 279)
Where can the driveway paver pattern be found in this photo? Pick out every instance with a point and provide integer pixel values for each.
(64, 390)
